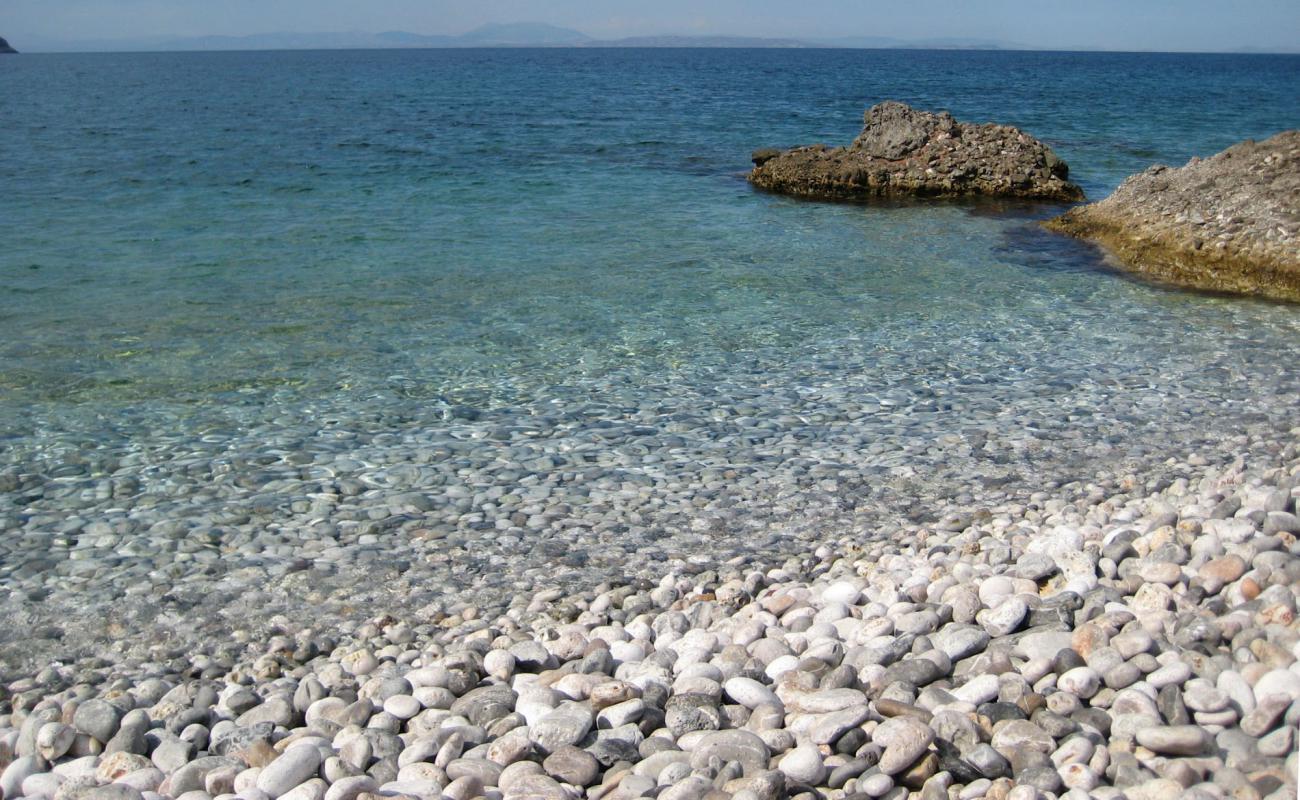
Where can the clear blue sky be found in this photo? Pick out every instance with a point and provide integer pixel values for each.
(1111, 24)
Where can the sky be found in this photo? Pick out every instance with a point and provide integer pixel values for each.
(1050, 24)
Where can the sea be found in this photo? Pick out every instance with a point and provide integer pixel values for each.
(240, 279)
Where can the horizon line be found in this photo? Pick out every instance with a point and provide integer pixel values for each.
(613, 44)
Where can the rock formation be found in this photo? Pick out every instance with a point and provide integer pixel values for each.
(1230, 222)
(903, 152)
(5, 48)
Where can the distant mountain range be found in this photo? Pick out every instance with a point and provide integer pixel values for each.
(515, 34)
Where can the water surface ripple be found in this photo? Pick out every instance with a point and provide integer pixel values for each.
(423, 328)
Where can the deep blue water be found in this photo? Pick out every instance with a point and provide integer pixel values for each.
(481, 224)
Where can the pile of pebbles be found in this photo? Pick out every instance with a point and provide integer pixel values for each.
(1123, 644)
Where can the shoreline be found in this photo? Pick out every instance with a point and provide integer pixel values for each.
(1182, 506)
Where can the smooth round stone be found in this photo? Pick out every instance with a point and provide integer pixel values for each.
(350, 788)
(1005, 618)
(18, 771)
(1172, 674)
(402, 706)
(97, 718)
(618, 715)
(1012, 735)
(1218, 572)
(1122, 675)
(359, 662)
(803, 765)
(294, 766)
(611, 693)
(1278, 681)
(573, 766)
(466, 788)
(750, 693)
(905, 740)
(1155, 789)
(978, 690)
(1177, 740)
(1165, 572)
(996, 589)
(1199, 695)
(842, 592)
(1278, 744)
(500, 664)
(566, 725)
(54, 739)
(1082, 682)
(876, 785)
(733, 745)
(1078, 776)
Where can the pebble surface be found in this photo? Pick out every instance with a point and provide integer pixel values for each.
(1109, 641)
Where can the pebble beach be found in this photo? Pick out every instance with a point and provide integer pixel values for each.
(466, 427)
(1108, 641)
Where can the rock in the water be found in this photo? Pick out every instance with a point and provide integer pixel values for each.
(903, 152)
(1226, 223)
(5, 47)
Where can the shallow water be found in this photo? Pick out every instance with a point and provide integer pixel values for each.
(424, 269)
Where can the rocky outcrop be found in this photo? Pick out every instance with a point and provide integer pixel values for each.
(1230, 222)
(903, 152)
(5, 48)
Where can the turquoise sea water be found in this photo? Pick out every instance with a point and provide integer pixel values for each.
(252, 304)
(483, 223)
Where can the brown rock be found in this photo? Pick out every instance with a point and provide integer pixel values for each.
(1221, 571)
(1230, 222)
(903, 152)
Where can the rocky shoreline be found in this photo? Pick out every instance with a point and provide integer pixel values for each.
(903, 153)
(1230, 222)
(1120, 642)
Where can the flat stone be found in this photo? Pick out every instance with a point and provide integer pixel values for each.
(1012, 735)
(1201, 696)
(1004, 619)
(294, 766)
(1265, 716)
(350, 788)
(979, 689)
(1083, 682)
(904, 739)
(573, 766)
(115, 765)
(1278, 681)
(566, 725)
(750, 693)
(1043, 644)
(803, 765)
(486, 704)
(1218, 572)
(959, 641)
(828, 728)
(1174, 674)
(98, 719)
(1176, 740)
(733, 745)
